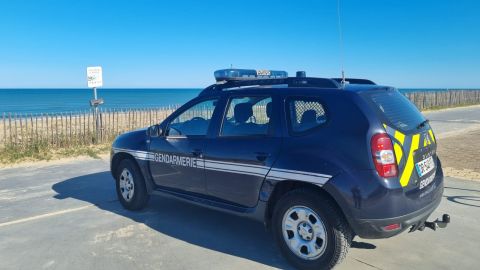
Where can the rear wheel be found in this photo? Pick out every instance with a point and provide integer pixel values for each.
(310, 230)
(130, 186)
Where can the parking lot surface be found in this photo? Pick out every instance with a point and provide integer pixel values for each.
(451, 122)
(66, 216)
(458, 133)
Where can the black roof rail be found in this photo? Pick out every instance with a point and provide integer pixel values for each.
(290, 81)
(354, 81)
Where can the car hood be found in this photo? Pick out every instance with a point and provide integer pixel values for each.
(132, 140)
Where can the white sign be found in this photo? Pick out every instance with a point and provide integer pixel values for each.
(94, 77)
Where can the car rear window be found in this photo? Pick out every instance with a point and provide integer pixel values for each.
(395, 109)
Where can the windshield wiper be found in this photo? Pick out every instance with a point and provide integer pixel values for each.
(422, 124)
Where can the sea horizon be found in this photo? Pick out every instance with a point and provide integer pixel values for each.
(60, 100)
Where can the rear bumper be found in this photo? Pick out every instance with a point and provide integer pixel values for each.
(373, 228)
(370, 204)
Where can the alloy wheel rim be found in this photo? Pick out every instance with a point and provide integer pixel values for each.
(304, 232)
(127, 187)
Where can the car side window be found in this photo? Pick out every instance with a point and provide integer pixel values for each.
(193, 121)
(247, 116)
(305, 113)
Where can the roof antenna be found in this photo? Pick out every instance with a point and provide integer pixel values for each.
(340, 35)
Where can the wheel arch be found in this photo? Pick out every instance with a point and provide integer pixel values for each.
(117, 158)
(282, 187)
(141, 165)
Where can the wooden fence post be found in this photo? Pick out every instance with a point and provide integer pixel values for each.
(10, 127)
(4, 131)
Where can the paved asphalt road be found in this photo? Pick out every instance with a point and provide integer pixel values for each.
(450, 121)
(66, 216)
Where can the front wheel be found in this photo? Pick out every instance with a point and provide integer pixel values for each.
(130, 185)
(310, 230)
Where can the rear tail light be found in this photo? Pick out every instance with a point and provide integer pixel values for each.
(383, 155)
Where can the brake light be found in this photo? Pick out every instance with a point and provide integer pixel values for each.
(383, 155)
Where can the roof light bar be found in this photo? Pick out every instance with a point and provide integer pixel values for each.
(233, 74)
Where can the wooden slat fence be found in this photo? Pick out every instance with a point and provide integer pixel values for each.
(63, 130)
(444, 99)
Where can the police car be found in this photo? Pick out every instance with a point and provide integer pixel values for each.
(317, 160)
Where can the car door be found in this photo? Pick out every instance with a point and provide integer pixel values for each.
(239, 157)
(177, 161)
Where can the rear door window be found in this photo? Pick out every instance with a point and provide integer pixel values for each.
(395, 109)
(305, 113)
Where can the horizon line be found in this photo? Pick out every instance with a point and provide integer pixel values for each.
(190, 88)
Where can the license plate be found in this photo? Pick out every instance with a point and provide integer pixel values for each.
(425, 166)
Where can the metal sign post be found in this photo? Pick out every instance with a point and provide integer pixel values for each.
(94, 80)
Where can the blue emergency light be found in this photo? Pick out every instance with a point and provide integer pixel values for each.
(234, 74)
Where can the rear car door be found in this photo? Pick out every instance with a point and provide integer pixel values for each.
(240, 156)
(177, 161)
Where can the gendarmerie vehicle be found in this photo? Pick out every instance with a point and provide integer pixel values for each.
(317, 160)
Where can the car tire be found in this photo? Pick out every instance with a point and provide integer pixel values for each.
(310, 230)
(130, 185)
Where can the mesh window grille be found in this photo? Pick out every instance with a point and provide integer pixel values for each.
(301, 106)
(306, 114)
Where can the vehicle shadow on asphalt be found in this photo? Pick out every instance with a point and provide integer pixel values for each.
(196, 225)
(472, 201)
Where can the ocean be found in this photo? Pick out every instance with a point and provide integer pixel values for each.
(23, 101)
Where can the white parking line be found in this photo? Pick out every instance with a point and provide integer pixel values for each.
(61, 212)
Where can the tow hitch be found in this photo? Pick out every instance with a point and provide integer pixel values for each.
(435, 224)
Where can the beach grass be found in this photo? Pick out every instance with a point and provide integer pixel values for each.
(41, 151)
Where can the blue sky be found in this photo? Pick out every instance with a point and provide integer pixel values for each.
(404, 43)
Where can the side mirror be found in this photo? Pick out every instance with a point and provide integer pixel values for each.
(154, 131)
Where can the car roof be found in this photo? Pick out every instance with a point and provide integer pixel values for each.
(291, 83)
(364, 87)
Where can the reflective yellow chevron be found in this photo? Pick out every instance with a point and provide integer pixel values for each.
(398, 152)
(399, 136)
(430, 139)
(431, 135)
(398, 148)
(407, 172)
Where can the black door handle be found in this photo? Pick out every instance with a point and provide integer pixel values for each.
(262, 156)
(197, 153)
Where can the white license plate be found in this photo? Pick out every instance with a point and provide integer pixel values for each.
(425, 166)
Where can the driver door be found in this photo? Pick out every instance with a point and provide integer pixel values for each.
(178, 156)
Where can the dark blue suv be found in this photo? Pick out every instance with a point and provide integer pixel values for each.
(317, 160)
